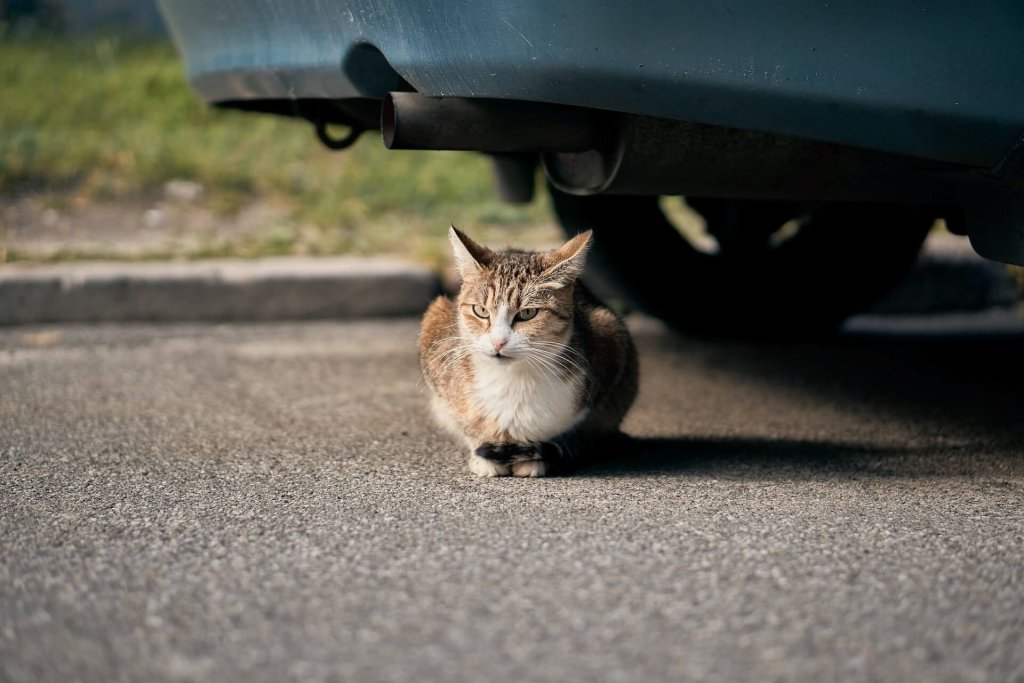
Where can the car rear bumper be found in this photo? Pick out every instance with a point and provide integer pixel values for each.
(934, 80)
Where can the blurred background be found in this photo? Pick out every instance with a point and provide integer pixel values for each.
(105, 153)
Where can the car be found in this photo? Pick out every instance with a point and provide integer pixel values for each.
(819, 141)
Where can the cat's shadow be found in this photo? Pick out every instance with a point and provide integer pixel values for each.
(758, 459)
(920, 380)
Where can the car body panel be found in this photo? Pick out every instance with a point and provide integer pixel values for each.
(939, 80)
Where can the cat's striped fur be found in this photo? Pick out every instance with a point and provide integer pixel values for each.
(526, 366)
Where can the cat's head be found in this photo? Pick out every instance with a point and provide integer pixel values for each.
(517, 303)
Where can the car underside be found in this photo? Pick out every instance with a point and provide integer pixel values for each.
(818, 142)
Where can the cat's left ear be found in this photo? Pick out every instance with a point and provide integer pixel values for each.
(567, 262)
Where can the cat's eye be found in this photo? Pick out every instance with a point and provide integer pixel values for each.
(480, 312)
(527, 313)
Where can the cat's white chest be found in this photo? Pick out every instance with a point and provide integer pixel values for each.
(524, 401)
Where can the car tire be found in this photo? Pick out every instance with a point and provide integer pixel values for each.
(841, 259)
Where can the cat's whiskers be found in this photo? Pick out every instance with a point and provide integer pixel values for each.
(457, 347)
(550, 374)
(459, 339)
(563, 347)
(549, 357)
(536, 364)
(454, 355)
(456, 337)
(451, 354)
(556, 368)
(568, 365)
(551, 368)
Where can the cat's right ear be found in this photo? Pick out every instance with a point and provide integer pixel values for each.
(470, 257)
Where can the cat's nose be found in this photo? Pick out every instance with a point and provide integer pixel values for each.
(498, 344)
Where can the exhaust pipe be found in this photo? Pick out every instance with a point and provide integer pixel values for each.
(411, 121)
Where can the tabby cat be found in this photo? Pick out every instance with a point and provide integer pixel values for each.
(526, 366)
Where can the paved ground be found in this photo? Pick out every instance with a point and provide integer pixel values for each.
(270, 502)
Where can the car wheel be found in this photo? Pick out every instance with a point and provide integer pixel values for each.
(778, 269)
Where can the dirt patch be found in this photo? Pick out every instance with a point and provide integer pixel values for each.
(37, 227)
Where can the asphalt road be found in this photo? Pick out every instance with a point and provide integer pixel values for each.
(271, 502)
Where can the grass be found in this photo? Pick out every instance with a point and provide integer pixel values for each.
(103, 120)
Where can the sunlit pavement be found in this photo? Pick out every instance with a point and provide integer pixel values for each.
(272, 502)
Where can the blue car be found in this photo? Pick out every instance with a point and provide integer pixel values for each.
(818, 140)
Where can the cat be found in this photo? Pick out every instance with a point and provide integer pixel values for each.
(525, 365)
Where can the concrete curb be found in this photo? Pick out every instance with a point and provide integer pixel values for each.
(949, 277)
(261, 290)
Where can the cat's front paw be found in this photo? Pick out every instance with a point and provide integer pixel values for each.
(517, 459)
(530, 468)
(482, 467)
(508, 453)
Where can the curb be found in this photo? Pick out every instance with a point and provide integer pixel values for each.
(949, 276)
(260, 290)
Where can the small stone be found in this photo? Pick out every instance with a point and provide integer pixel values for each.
(184, 191)
(153, 218)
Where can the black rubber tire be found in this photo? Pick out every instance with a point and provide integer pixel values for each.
(842, 260)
